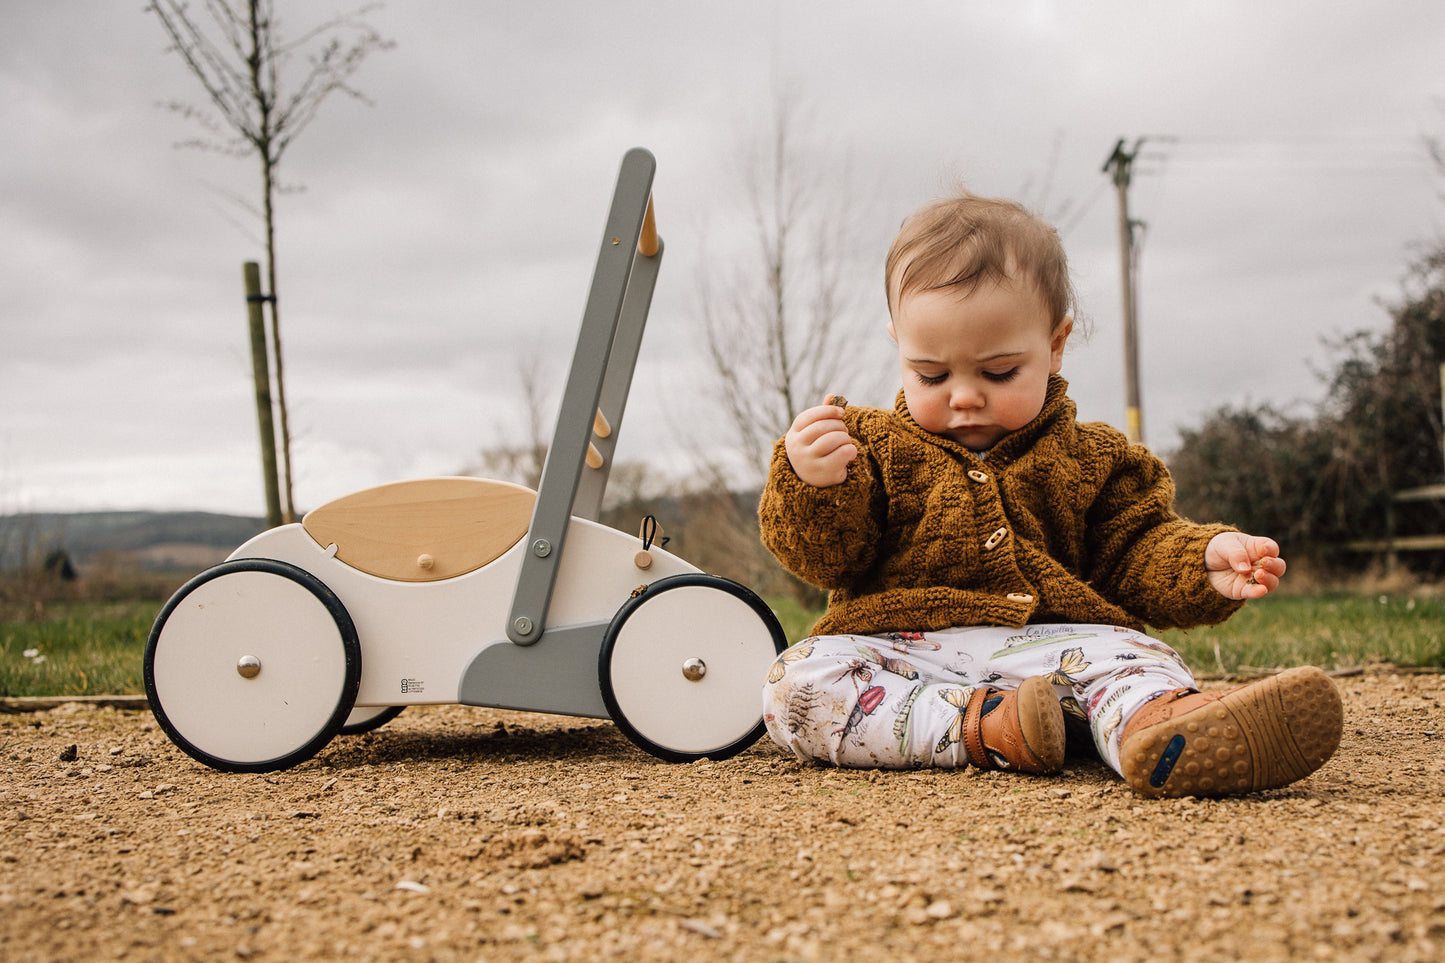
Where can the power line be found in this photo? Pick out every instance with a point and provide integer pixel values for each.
(1303, 153)
(1077, 216)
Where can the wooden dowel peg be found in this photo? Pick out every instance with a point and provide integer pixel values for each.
(647, 244)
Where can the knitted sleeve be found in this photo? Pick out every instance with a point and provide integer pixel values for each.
(825, 536)
(1143, 556)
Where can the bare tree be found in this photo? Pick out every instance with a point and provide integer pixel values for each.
(783, 322)
(259, 105)
(633, 489)
(521, 460)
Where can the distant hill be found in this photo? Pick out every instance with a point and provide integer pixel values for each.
(156, 541)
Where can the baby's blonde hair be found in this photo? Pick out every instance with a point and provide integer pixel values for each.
(964, 240)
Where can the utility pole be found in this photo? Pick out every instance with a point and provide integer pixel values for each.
(1120, 164)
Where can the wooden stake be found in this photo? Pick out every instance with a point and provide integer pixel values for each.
(261, 375)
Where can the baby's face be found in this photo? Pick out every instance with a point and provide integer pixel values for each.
(976, 368)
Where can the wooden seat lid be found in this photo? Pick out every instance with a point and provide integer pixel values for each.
(425, 530)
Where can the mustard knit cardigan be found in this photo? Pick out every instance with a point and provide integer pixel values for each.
(1063, 522)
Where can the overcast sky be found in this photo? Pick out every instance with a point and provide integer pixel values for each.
(449, 229)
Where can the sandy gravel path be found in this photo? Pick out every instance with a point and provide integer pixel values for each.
(468, 834)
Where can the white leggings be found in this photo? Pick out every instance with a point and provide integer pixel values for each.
(896, 701)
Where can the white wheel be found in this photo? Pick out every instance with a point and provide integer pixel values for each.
(252, 666)
(682, 667)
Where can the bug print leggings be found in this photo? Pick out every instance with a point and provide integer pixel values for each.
(896, 701)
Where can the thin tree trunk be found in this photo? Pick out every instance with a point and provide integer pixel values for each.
(264, 147)
(239, 68)
(286, 487)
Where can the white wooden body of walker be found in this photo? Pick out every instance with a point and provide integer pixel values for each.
(464, 590)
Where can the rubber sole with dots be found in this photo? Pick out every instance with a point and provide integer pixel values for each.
(1262, 736)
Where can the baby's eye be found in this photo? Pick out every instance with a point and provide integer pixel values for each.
(1001, 376)
(931, 379)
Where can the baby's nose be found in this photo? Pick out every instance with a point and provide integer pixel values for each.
(966, 396)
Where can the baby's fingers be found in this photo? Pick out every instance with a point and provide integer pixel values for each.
(1263, 577)
(812, 416)
(820, 431)
(831, 468)
(819, 446)
(825, 434)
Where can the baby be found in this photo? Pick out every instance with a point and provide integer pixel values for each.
(992, 563)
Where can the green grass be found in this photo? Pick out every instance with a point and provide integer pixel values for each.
(795, 620)
(79, 648)
(96, 648)
(1330, 631)
(1334, 631)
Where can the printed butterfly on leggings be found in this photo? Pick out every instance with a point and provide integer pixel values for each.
(1071, 663)
(796, 654)
(957, 698)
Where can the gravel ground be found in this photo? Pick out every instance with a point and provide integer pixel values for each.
(468, 834)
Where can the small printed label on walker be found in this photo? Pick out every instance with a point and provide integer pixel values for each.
(412, 685)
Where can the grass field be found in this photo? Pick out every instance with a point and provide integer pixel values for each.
(1330, 631)
(95, 648)
(1333, 631)
(79, 648)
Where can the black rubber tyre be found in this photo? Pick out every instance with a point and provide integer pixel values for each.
(252, 666)
(682, 667)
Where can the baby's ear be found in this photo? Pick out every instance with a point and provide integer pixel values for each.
(891, 333)
(1056, 344)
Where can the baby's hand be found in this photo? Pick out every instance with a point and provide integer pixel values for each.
(1243, 566)
(818, 446)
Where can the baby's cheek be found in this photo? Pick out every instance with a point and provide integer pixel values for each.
(928, 414)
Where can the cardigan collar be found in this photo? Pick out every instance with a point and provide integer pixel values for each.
(1057, 405)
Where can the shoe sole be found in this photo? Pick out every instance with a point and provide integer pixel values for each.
(1262, 736)
(1041, 721)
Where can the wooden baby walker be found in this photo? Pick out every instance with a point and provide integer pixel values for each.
(477, 592)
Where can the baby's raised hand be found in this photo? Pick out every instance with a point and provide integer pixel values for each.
(1243, 566)
(819, 447)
